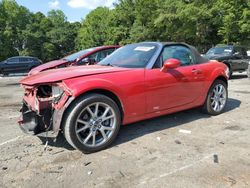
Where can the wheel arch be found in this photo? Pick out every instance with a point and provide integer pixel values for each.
(221, 78)
(104, 92)
(109, 94)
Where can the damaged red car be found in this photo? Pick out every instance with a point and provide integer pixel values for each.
(84, 57)
(136, 82)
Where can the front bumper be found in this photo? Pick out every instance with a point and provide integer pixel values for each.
(33, 123)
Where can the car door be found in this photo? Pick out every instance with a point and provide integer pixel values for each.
(12, 65)
(24, 64)
(175, 87)
(245, 60)
(237, 59)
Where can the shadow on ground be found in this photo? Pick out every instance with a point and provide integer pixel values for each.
(239, 76)
(136, 130)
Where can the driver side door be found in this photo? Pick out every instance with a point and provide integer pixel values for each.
(175, 87)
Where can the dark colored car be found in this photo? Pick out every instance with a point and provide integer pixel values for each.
(19, 64)
(136, 82)
(235, 57)
(84, 57)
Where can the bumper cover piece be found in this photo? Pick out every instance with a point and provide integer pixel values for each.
(32, 123)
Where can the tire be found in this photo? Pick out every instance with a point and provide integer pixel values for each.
(213, 99)
(5, 73)
(90, 133)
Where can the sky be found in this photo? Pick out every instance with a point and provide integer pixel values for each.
(75, 10)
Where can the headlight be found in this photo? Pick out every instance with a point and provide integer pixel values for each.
(56, 91)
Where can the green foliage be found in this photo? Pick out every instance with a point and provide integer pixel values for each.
(94, 30)
(35, 34)
(202, 23)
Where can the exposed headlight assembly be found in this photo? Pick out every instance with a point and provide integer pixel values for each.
(56, 91)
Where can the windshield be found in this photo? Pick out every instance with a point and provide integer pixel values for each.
(219, 51)
(131, 56)
(76, 55)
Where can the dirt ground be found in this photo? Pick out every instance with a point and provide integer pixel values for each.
(186, 149)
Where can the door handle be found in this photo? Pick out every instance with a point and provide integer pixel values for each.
(196, 71)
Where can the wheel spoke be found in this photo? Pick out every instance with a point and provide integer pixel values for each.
(96, 109)
(82, 122)
(90, 111)
(106, 112)
(93, 142)
(82, 128)
(213, 103)
(108, 128)
(216, 106)
(103, 134)
(87, 138)
(109, 117)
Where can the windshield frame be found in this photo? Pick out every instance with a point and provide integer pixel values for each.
(84, 53)
(150, 62)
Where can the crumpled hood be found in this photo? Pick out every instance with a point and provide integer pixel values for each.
(49, 65)
(55, 75)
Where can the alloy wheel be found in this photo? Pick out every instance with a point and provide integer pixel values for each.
(95, 124)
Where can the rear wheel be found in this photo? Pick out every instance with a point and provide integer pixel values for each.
(92, 123)
(216, 99)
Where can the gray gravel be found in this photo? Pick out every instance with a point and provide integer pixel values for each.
(186, 149)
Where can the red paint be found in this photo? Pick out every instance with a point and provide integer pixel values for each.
(143, 93)
(60, 62)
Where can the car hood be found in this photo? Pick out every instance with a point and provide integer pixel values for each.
(56, 75)
(46, 66)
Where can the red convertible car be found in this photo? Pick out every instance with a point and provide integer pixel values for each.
(136, 82)
(83, 57)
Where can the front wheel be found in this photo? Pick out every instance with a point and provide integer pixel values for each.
(216, 99)
(92, 123)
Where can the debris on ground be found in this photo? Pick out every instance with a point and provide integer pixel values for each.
(185, 131)
(177, 141)
(89, 172)
(216, 159)
(87, 163)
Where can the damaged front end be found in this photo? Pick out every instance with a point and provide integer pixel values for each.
(43, 107)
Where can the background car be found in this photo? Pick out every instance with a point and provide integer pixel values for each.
(234, 56)
(19, 64)
(84, 57)
(136, 82)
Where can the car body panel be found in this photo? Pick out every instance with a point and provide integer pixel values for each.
(56, 75)
(64, 63)
(142, 92)
(236, 58)
(19, 64)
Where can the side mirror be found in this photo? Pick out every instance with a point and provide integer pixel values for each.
(170, 64)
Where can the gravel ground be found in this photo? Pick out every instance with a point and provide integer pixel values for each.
(186, 149)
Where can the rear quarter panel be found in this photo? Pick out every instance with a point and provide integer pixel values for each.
(212, 70)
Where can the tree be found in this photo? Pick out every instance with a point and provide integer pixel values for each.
(94, 29)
